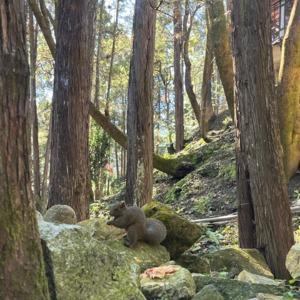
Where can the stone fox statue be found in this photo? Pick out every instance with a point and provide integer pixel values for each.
(137, 226)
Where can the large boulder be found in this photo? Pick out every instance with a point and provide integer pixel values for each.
(209, 292)
(38, 216)
(181, 233)
(61, 214)
(85, 268)
(179, 286)
(292, 262)
(100, 231)
(238, 260)
(146, 255)
(239, 290)
(194, 263)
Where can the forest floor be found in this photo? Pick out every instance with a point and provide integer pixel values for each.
(209, 190)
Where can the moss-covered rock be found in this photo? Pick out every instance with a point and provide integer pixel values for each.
(209, 292)
(100, 231)
(85, 268)
(247, 259)
(61, 214)
(181, 233)
(292, 262)
(254, 278)
(147, 256)
(39, 216)
(179, 286)
(239, 290)
(194, 263)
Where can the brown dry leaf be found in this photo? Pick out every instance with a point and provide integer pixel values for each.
(160, 272)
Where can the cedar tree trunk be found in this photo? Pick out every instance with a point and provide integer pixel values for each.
(22, 274)
(261, 188)
(140, 107)
(179, 129)
(288, 94)
(69, 168)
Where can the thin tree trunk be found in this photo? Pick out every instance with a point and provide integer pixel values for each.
(69, 170)
(101, 182)
(188, 78)
(207, 73)
(112, 58)
(47, 159)
(288, 94)
(22, 274)
(261, 185)
(139, 183)
(35, 131)
(97, 85)
(117, 160)
(217, 93)
(221, 47)
(179, 128)
(108, 178)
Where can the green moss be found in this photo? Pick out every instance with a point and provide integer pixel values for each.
(228, 172)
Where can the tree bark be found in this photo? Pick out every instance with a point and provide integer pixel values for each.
(221, 47)
(140, 107)
(35, 131)
(288, 94)
(188, 77)
(207, 111)
(22, 274)
(47, 159)
(178, 88)
(258, 150)
(112, 58)
(69, 169)
(97, 85)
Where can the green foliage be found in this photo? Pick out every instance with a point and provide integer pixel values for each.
(228, 172)
(204, 204)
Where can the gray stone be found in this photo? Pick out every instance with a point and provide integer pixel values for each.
(85, 268)
(179, 286)
(292, 262)
(239, 290)
(209, 292)
(39, 216)
(261, 296)
(194, 263)
(247, 259)
(61, 214)
(146, 255)
(254, 278)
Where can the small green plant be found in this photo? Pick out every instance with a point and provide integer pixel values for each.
(297, 194)
(203, 205)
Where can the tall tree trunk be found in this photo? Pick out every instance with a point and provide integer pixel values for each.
(97, 85)
(101, 182)
(47, 159)
(35, 131)
(261, 187)
(140, 107)
(69, 169)
(117, 160)
(288, 94)
(217, 102)
(22, 274)
(206, 85)
(188, 77)
(179, 129)
(221, 47)
(112, 58)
